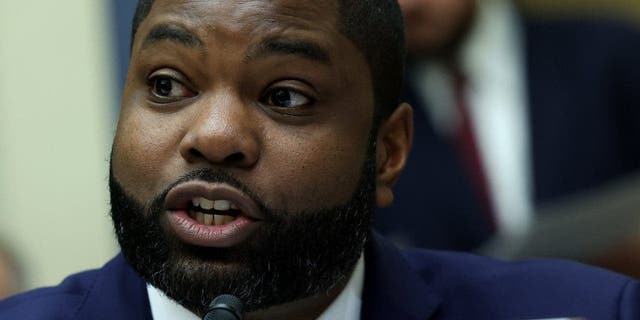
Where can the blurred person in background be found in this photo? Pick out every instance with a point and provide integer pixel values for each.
(513, 114)
(10, 274)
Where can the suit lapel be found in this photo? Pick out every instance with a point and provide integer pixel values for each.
(392, 288)
(117, 293)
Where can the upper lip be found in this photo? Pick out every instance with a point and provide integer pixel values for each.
(180, 197)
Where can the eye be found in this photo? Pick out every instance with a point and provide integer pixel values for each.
(165, 88)
(286, 98)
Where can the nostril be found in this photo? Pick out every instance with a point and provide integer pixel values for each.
(235, 157)
(195, 153)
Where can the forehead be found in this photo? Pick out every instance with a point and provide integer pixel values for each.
(248, 17)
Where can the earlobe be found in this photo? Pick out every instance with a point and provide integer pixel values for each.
(394, 143)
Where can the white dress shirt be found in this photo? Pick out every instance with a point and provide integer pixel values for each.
(346, 306)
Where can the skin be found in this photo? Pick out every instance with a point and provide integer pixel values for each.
(222, 114)
(8, 276)
(436, 27)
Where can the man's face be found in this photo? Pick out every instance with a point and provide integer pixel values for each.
(243, 151)
(435, 27)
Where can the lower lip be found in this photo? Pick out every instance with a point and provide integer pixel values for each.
(228, 235)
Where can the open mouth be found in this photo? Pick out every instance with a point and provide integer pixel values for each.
(213, 212)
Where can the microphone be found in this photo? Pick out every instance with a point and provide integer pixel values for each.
(224, 307)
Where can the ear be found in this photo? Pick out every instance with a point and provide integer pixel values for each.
(395, 137)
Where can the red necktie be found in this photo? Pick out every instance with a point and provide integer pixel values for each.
(466, 144)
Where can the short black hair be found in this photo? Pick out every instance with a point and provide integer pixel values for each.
(376, 29)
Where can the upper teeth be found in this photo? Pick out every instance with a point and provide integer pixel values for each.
(220, 205)
(206, 204)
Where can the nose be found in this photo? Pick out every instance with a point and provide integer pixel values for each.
(221, 132)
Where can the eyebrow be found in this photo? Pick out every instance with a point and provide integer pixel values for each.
(172, 32)
(279, 46)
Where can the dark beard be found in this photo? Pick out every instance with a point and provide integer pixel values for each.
(293, 255)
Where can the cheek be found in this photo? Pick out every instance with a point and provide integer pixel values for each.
(142, 146)
(316, 169)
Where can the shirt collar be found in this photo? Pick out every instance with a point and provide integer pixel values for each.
(345, 306)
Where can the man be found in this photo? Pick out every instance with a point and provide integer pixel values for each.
(514, 116)
(254, 140)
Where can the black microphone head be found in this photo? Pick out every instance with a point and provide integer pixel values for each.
(224, 307)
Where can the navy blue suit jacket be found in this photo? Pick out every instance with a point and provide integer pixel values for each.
(414, 284)
(583, 86)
